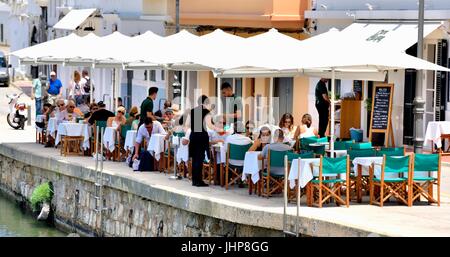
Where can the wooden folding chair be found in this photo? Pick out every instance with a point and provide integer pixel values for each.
(97, 125)
(208, 170)
(422, 179)
(234, 153)
(272, 183)
(121, 153)
(392, 186)
(330, 188)
(358, 182)
(292, 193)
(71, 145)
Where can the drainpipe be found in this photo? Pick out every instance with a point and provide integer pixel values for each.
(419, 103)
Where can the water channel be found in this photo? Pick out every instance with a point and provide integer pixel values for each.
(15, 222)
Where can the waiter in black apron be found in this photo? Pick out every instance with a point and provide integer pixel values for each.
(199, 139)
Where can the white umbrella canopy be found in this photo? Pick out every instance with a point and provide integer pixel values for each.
(148, 41)
(334, 49)
(47, 49)
(218, 50)
(176, 49)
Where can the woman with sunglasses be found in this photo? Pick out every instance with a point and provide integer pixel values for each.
(290, 131)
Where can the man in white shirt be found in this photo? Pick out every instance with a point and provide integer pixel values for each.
(238, 138)
(148, 128)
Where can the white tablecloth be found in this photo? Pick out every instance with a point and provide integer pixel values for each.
(52, 126)
(221, 153)
(109, 138)
(39, 118)
(156, 145)
(130, 139)
(183, 151)
(434, 131)
(252, 166)
(306, 174)
(74, 130)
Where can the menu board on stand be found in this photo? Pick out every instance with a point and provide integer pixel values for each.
(380, 122)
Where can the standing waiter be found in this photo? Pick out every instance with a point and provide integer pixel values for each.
(200, 119)
(322, 105)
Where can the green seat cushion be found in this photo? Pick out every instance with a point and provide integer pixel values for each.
(391, 180)
(424, 179)
(171, 151)
(316, 181)
(273, 175)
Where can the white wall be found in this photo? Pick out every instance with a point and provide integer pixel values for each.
(381, 4)
(398, 79)
(132, 27)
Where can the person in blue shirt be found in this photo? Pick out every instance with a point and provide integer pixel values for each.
(54, 90)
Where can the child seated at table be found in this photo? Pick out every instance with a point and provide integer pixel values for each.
(262, 140)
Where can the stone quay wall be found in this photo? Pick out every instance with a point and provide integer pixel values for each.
(137, 209)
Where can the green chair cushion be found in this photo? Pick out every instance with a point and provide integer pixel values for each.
(365, 145)
(276, 158)
(426, 162)
(391, 180)
(316, 181)
(396, 164)
(393, 151)
(354, 153)
(305, 155)
(273, 175)
(334, 165)
(424, 179)
(237, 152)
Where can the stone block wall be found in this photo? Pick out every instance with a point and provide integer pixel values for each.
(126, 214)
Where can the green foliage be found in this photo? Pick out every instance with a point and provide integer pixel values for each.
(42, 193)
(368, 103)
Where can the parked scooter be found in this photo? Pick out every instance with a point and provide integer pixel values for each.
(17, 112)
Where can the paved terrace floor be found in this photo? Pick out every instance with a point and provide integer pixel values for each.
(391, 220)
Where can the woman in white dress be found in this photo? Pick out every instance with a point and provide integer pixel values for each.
(76, 89)
(288, 128)
(306, 130)
(117, 121)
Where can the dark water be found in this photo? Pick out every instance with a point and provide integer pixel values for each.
(16, 223)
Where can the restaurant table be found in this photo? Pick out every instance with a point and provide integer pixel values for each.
(306, 174)
(109, 138)
(52, 126)
(130, 139)
(435, 132)
(182, 152)
(73, 130)
(252, 166)
(156, 145)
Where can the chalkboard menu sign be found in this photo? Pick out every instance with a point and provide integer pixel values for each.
(381, 106)
(381, 110)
